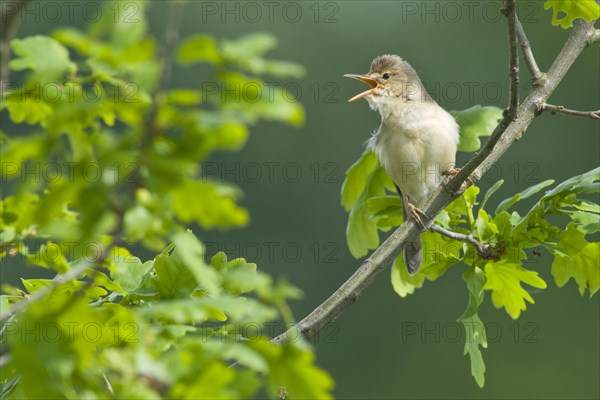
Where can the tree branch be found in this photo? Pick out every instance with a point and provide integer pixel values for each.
(8, 16)
(385, 254)
(170, 40)
(528, 53)
(560, 109)
(109, 387)
(58, 280)
(513, 94)
(485, 250)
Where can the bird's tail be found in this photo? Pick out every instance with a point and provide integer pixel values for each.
(412, 255)
(412, 252)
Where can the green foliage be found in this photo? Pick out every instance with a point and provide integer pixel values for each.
(474, 327)
(588, 10)
(474, 122)
(254, 98)
(117, 158)
(365, 180)
(370, 198)
(44, 56)
(504, 279)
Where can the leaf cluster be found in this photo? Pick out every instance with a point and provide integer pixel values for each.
(562, 221)
(109, 164)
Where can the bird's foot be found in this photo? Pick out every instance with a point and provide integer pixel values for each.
(416, 214)
(453, 171)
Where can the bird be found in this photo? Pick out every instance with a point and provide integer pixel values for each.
(415, 143)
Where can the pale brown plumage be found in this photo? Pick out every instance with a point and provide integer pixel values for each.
(417, 140)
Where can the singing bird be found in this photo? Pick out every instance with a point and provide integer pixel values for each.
(416, 142)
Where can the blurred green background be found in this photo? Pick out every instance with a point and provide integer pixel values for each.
(385, 346)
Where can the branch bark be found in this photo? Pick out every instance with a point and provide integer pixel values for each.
(513, 51)
(385, 254)
(560, 109)
(170, 40)
(8, 17)
(484, 250)
(528, 53)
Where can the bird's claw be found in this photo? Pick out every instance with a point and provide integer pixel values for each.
(453, 171)
(416, 214)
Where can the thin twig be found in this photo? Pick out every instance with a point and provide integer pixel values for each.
(528, 53)
(484, 250)
(467, 173)
(58, 280)
(170, 40)
(562, 110)
(513, 94)
(386, 253)
(8, 18)
(108, 385)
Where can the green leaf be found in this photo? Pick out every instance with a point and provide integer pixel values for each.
(530, 191)
(46, 57)
(588, 206)
(361, 232)
(576, 258)
(438, 254)
(402, 282)
(240, 353)
(60, 292)
(474, 122)
(126, 270)
(277, 68)
(386, 211)
(124, 26)
(239, 276)
(184, 311)
(172, 279)
(586, 222)
(588, 10)
(365, 180)
(16, 152)
(474, 327)
(27, 108)
(250, 45)
(212, 382)
(247, 53)
(201, 309)
(485, 228)
(463, 206)
(504, 279)
(490, 192)
(252, 99)
(292, 371)
(198, 48)
(384, 204)
(211, 204)
(356, 178)
(190, 252)
(185, 97)
(50, 255)
(583, 183)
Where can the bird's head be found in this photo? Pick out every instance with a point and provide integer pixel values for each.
(391, 79)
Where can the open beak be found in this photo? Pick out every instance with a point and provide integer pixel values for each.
(371, 82)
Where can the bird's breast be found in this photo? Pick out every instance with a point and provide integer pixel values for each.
(415, 147)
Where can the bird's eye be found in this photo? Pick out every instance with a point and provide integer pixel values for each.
(386, 76)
